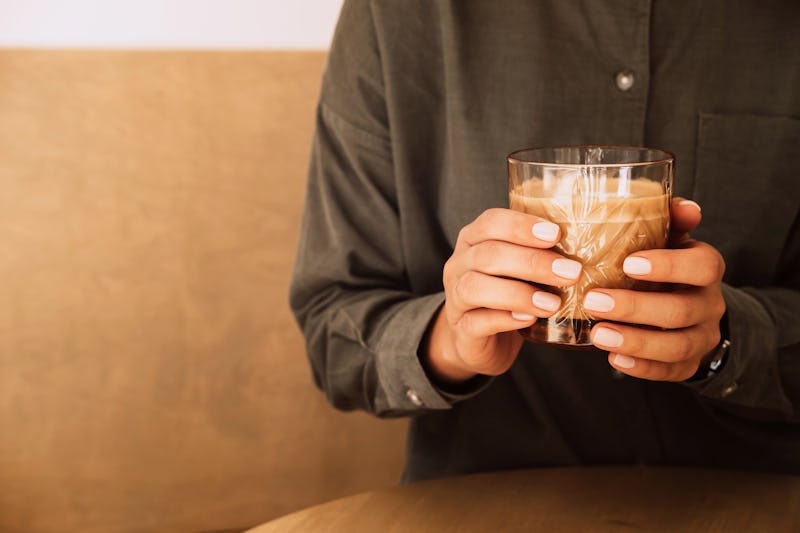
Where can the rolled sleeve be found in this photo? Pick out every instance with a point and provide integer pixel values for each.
(751, 378)
(408, 387)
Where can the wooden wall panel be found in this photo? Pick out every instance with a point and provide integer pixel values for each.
(151, 375)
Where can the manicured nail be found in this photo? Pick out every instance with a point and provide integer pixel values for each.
(623, 361)
(598, 301)
(566, 268)
(522, 316)
(547, 231)
(637, 266)
(689, 202)
(545, 300)
(607, 337)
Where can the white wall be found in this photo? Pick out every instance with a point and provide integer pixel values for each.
(238, 24)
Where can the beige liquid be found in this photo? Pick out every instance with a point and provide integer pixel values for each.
(599, 229)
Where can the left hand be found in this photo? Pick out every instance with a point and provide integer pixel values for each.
(683, 324)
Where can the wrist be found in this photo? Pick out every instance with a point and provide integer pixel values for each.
(712, 364)
(438, 354)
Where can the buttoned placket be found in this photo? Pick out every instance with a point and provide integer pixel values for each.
(629, 75)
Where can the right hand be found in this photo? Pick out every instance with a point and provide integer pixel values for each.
(475, 332)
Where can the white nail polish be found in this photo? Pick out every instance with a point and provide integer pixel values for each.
(623, 361)
(566, 268)
(607, 337)
(598, 301)
(689, 202)
(547, 231)
(545, 300)
(637, 266)
(524, 317)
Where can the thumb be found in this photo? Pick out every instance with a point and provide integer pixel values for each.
(684, 217)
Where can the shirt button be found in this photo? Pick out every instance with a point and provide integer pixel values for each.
(412, 395)
(624, 79)
(730, 389)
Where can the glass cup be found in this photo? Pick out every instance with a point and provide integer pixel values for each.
(609, 202)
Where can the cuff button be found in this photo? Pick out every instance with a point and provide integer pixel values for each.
(412, 395)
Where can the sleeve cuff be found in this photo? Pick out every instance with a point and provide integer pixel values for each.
(400, 371)
(750, 375)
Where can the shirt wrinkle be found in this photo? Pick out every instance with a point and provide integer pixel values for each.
(360, 131)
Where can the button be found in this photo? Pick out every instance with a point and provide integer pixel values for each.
(414, 397)
(730, 389)
(625, 80)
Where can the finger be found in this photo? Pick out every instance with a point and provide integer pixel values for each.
(481, 323)
(510, 226)
(475, 290)
(499, 258)
(653, 370)
(672, 310)
(697, 264)
(684, 216)
(668, 346)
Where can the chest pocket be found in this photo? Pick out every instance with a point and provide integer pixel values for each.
(747, 180)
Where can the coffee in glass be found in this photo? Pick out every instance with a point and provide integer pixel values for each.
(609, 202)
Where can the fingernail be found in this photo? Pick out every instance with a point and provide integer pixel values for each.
(598, 301)
(637, 266)
(689, 202)
(607, 337)
(566, 268)
(547, 231)
(623, 361)
(545, 300)
(522, 316)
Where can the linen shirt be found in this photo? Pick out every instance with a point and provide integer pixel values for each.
(420, 103)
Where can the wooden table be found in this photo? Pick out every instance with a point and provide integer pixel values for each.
(566, 499)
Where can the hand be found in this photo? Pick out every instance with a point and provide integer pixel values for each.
(686, 319)
(475, 331)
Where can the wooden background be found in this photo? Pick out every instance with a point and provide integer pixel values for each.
(151, 375)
